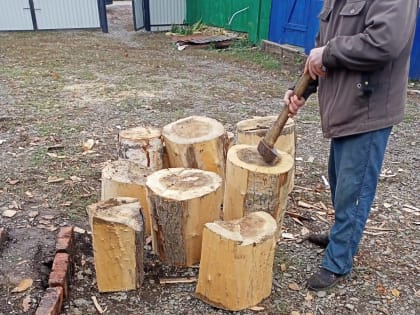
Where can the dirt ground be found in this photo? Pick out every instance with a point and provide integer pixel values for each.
(60, 89)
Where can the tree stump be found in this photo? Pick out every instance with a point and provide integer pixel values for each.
(124, 178)
(251, 131)
(253, 185)
(117, 235)
(181, 201)
(142, 145)
(237, 261)
(197, 142)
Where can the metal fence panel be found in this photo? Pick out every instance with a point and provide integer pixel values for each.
(65, 14)
(165, 13)
(15, 15)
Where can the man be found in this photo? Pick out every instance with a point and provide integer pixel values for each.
(360, 67)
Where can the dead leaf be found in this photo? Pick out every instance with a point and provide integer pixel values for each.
(26, 303)
(13, 181)
(54, 179)
(309, 297)
(55, 76)
(257, 308)
(23, 285)
(88, 145)
(381, 289)
(294, 286)
(283, 267)
(396, 293)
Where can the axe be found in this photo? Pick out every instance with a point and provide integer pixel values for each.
(266, 145)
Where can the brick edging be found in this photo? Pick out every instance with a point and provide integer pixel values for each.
(60, 276)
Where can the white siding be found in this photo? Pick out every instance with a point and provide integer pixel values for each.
(66, 14)
(15, 15)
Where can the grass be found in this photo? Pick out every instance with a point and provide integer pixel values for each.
(243, 50)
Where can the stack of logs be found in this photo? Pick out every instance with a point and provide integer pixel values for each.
(191, 188)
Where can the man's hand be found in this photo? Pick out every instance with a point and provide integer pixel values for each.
(314, 63)
(294, 103)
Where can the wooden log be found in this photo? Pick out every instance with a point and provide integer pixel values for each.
(125, 178)
(237, 261)
(142, 145)
(117, 235)
(253, 185)
(197, 142)
(181, 201)
(251, 131)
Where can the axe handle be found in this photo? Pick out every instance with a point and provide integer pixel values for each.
(274, 132)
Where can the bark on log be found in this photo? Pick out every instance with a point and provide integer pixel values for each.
(125, 178)
(142, 145)
(181, 201)
(197, 142)
(117, 235)
(253, 185)
(251, 131)
(237, 261)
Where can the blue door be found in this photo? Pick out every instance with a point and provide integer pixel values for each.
(295, 22)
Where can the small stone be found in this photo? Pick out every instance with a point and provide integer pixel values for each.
(321, 294)
(9, 213)
(33, 214)
(350, 307)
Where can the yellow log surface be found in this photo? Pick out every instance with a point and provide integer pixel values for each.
(253, 185)
(237, 261)
(181, 201)
(142, 145)
(124, 178)
(117, 235)
(197, 142)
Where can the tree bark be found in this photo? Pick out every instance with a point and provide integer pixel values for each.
(125, 178)
(251, 131)
(181, 201)
(253, 185)
(197, 142)
(237, 261)
(117, 235)
(142, 145)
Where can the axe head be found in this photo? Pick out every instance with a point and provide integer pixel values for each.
(268, 154)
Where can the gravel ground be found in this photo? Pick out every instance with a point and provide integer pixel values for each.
(62, 88)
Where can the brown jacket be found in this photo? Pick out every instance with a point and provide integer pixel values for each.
(368, 44)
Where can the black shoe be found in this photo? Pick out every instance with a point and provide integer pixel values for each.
(323, 280)
(320, 239)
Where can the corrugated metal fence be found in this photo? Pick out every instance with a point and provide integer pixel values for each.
(162, 14)
(23, 15)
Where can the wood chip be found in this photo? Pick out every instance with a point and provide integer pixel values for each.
(23, 285)
(177, 280)
(97, 306)
(256, 308)
(54, 179)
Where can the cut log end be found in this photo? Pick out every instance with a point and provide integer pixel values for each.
(193, 129)
(243, 277)
(253, 228)
(247, 156)
(182, 183)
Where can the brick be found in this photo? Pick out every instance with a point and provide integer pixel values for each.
(3, 236)
(60, 273)
(51, 302)
(65, 241)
